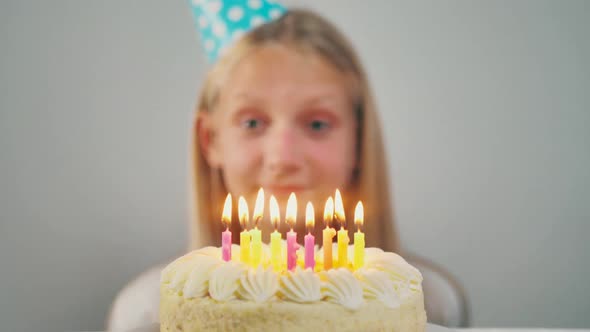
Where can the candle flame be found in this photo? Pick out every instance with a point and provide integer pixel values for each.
(258, 207)
(339, 208)
(309, 216)
(329, 211)
(226, 215)
(274, 212)
(291, 214)
(243, 212)
(359, 215)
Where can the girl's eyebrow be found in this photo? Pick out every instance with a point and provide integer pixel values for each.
(244, 95)
(322, 99)
(312, 98)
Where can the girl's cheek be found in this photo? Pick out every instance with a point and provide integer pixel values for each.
(333, 160)
(337, 150)
(241, 153)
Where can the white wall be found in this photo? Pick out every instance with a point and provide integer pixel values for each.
(486, 115)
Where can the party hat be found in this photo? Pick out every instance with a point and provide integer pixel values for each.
(221, 22)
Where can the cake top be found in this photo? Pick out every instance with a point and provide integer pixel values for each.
(385, 276)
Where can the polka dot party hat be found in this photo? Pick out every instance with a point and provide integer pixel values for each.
(221, 22)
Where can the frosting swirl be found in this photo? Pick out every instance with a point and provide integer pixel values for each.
(197, 284)
(377, 285)
(340, 286)
(224, 281)
(301, 286)
(398, 269)
(258, 285)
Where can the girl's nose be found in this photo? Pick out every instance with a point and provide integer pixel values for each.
(284, 152)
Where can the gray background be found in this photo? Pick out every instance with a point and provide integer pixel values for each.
(486, 113)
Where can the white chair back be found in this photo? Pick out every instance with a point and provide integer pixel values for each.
(444, 298)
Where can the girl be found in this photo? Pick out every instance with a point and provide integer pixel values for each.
(287, 108)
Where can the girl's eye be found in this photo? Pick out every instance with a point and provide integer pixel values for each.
(318, 125)
(251, 123)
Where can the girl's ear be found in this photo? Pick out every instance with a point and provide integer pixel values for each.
(206, 138)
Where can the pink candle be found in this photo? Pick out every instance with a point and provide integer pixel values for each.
(226, 245)
(309, 239)
(292, 247)
(309, 251)
(226, 236)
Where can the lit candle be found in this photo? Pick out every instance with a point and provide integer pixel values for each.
(328, 233)
(244, 235)
(256, 257)
(226, 236)
(359, 237)
(309, 239)
(292, 245)
(343, 239)
(275, 237)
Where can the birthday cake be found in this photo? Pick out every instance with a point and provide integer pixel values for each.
(202, 292)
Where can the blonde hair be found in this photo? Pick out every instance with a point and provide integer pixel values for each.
(307, 32)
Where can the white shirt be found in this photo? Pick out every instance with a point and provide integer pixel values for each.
(138, 303)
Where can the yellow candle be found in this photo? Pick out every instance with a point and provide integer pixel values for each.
(328, 233)
(245, 247)
(343, 239)
(275, 237)
(275, 250)
(256, 256)
(244, 235)
(359, 238)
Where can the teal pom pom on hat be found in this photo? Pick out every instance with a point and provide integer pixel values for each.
(221, 22)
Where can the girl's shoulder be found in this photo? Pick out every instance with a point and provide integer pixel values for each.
(137, 303)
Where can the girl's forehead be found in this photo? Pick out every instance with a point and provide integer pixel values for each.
(284, 72)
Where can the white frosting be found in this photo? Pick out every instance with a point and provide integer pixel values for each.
(178, 279)
(405, 289)
(397, 268)
(385, 277)
(340, 286)
(176, 267)
(224, 281)
(301, 286)
(377, 285)
(213, 252)
(197, 284)
(258, 285)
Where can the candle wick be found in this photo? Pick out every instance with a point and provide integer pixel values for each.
(256, 220)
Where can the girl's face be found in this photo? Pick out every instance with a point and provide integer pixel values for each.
(283, 121)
